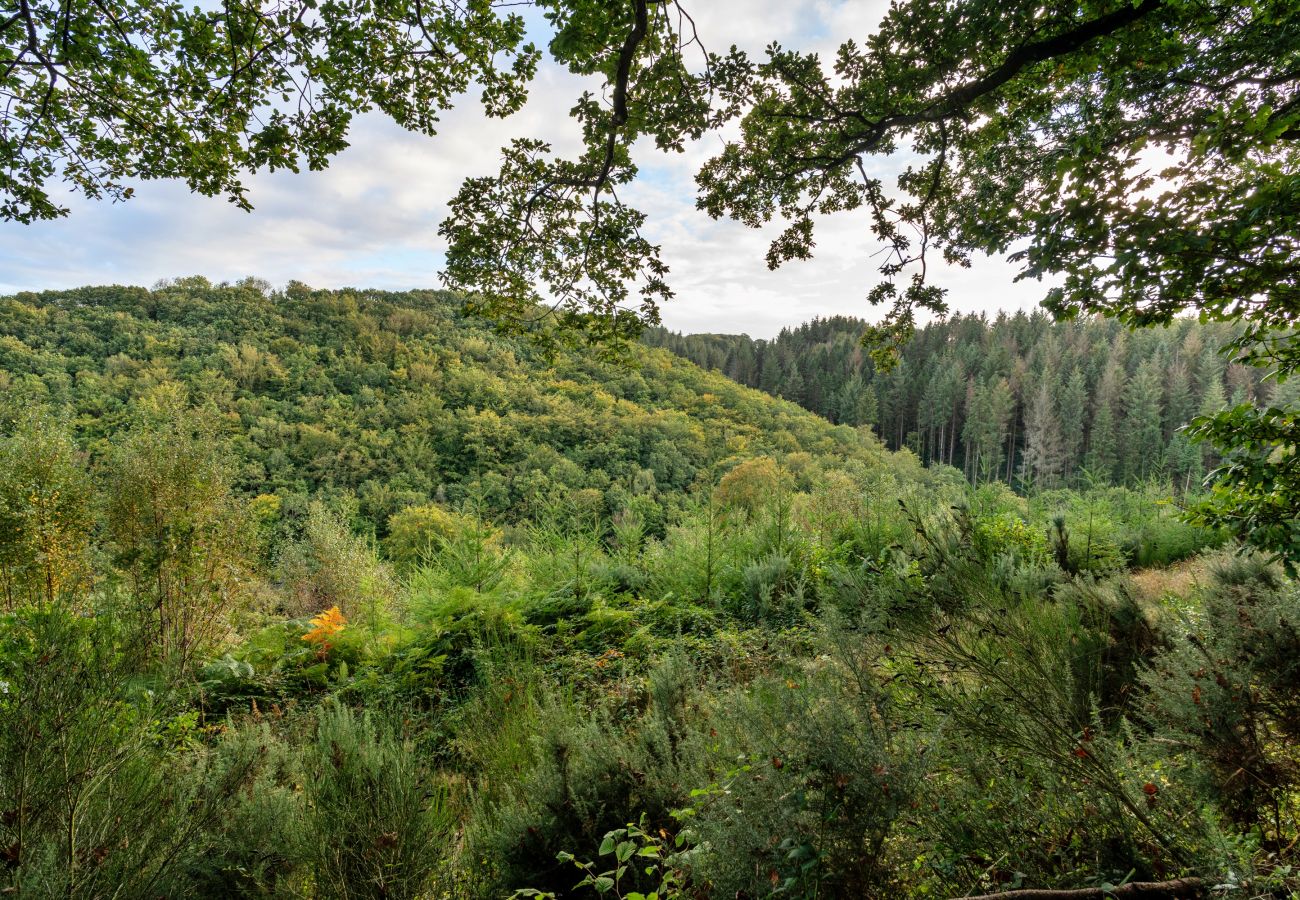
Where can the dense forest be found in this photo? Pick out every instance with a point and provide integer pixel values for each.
(393, 399)
(342, 594)
(1018, 398)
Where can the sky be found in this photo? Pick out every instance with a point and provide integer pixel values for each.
(371, 219)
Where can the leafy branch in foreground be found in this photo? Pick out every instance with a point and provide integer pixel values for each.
(549, 235)
(99, 92)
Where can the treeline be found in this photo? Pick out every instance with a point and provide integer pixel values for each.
(1017, 398)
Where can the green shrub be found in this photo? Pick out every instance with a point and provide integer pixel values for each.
(95, 797)
(378, 819)
(825, 778)
(262, 845)
(773, 592)
(1036, 690)
(584, 775)
(1225, 693)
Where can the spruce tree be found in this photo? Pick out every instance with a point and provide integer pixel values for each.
(1180, 406)
(1042, 464)
(1213, 400)
(1073, 407)
(1102, 459)
(1144, 442)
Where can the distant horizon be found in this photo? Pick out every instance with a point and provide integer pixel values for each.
(7, 290)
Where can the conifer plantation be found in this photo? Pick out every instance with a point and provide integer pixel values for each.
(502, 590)
(1018, 399)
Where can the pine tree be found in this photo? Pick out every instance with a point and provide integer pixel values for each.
(1213, 400)
(1181, 403)
(1073, 407)
(987, 427)
(1183, 460)
(793, 388)
(856, 403)
(769, 378)
(1102, 459)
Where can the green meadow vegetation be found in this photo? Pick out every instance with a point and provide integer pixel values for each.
(342, 594)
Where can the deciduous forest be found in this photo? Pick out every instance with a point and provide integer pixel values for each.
(341, 593)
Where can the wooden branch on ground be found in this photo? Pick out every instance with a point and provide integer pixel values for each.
(1178, 889)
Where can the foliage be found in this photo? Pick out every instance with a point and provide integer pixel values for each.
(102, 94)
(583, 777)
(398, 400)
(325, 626)
(827, 775)
(1257, 488)
(802, 664)
(1140, 154)
(45, 514)
(377, 816)
(632, 848)
(1223, 694)
(97, 796)
(964, 391)
(177, 532)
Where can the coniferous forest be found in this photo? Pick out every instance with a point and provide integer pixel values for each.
(502, 590)
(1018, 398)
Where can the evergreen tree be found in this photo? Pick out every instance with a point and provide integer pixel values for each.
(1043, 460)
(1073, 414)
(1213, 400)
(793, 389)
(987, 428)
(1180, 406)
(857, 402)
(770, 377)
(1144, 442)
(1102, 459)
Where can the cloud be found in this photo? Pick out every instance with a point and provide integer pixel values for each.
(371, 218)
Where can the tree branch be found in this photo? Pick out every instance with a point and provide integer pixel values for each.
(1017, 61)
(1178, 889)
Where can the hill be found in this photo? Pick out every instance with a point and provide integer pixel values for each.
(395, 397)
(339, 594)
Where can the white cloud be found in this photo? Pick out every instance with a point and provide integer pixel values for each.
(371, 218)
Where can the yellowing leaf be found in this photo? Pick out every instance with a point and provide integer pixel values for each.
(325, 625)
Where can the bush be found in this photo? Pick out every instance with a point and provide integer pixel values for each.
(584, 776)
(95, 799)
(1226, 691)
(773, 592)
(826, 776)
(377, 818)
(261, 846)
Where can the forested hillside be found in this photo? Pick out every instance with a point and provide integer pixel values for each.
(1018, 398)
(395, 398)
(340, 594)
(490, 594)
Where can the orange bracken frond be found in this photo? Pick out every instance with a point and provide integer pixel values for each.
(325, 625)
